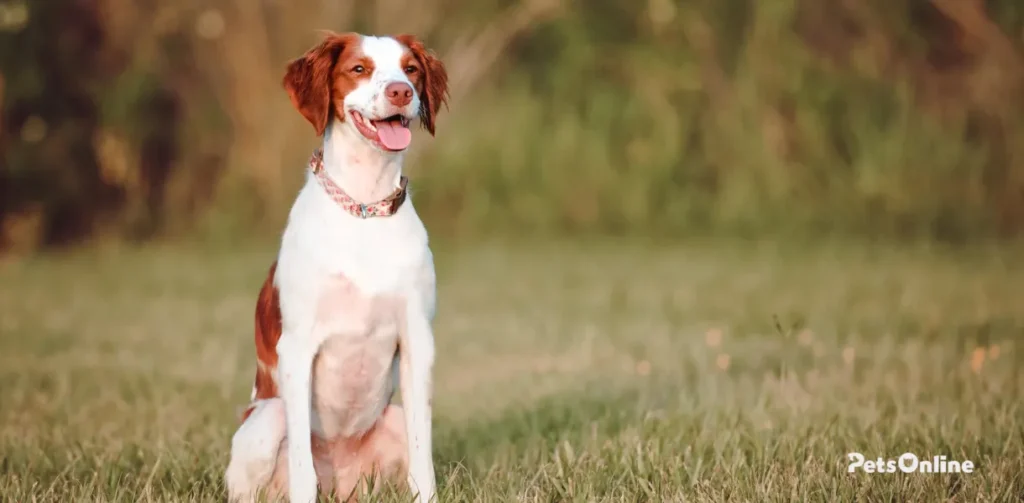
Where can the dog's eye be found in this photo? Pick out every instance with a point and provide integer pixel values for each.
(411, 70)
(358, 69)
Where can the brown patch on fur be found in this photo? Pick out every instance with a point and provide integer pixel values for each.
(313, 78)
(430, 80)
(346, 78)
(268, 332)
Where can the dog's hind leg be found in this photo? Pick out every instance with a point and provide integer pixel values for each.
(254, 450)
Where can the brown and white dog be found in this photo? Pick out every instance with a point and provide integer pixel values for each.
(347, 308)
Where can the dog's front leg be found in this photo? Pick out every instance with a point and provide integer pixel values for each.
(295, 363)
(416, 365)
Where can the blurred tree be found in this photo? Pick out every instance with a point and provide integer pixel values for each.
(898, 118)
(50, 66)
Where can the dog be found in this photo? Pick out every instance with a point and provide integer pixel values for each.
(346, 310)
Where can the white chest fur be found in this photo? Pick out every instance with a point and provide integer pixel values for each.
(344, 280)
(378, 254)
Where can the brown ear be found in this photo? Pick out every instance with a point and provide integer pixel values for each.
(435, 81)
(308, 80)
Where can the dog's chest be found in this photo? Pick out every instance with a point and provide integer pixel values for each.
(379, 256)
(353, 371)
(353, 277)
(384, 269)
(361, 313)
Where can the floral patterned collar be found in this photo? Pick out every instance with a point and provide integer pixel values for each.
(383, 208)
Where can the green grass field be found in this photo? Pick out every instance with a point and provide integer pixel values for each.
(565, 372)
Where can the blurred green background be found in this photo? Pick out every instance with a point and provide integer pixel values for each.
(146, 119)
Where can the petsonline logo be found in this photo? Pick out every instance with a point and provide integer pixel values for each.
(908, 463)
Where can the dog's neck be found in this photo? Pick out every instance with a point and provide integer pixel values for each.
(364, 172)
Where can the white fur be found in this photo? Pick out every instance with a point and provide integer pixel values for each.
(254, 449)
(380, 256)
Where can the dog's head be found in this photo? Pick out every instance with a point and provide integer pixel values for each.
(375, 85)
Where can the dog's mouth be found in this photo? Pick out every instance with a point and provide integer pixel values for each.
(390, 133)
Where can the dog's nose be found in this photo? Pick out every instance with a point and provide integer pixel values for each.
(398, 93)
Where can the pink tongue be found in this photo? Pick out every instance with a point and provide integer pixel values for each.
(393, 135)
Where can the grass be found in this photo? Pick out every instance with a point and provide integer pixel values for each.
(566, 372)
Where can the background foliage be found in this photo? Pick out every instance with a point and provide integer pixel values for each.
(135, 119)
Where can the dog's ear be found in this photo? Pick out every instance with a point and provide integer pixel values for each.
(308, 79)
(434, 93)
